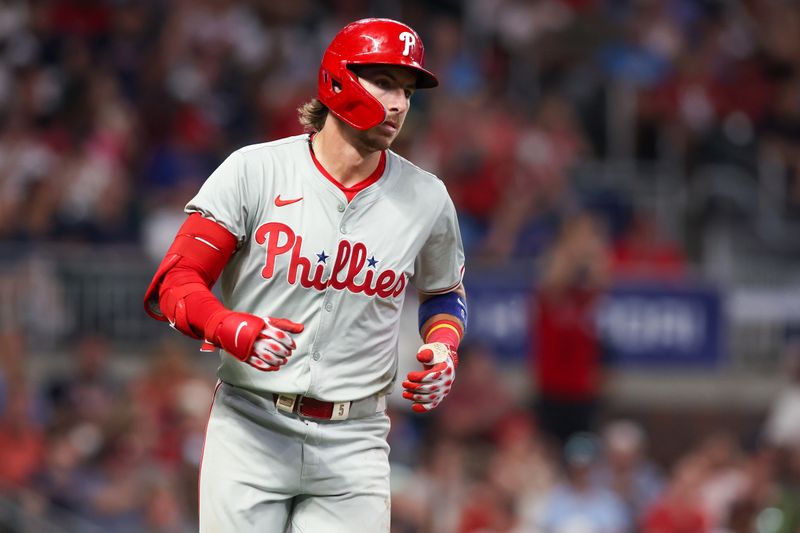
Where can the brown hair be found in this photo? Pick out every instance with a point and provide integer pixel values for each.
(312, 115)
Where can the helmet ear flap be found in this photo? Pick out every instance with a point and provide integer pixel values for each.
(348, 99)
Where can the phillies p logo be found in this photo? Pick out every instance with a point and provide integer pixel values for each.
(409, 39)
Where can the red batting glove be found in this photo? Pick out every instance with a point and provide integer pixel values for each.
(263, 344)
(429, 387)
(274, 344)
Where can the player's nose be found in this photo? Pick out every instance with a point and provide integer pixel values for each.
(396, 101)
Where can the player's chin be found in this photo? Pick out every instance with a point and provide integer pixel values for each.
(380, 138)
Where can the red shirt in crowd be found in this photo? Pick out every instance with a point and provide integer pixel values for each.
(567, 351)
(667, 518)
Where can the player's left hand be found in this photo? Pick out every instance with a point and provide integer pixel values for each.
(428, 388)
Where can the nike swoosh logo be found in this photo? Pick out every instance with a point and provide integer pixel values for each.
(238, 330)
(281, 203)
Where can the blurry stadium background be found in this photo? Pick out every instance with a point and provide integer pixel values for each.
(648, 148)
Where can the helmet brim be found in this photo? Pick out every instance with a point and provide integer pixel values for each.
(425, 78)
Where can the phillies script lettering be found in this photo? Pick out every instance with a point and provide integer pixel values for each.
(350, 260)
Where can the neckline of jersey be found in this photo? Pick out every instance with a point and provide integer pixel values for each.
(350, 192)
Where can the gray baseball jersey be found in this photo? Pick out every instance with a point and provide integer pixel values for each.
(340, 268)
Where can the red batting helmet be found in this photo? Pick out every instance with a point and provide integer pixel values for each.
(367, 42)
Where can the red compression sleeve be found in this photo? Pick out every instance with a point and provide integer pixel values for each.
(446, 331)
(200, 304)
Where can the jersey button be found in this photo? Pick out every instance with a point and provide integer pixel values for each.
(340, 207)
(315, 356)
(343, 229)
(329, 306)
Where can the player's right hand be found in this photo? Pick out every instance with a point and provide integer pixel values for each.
(274, 344)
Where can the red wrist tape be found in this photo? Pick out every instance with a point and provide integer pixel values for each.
(445, 331)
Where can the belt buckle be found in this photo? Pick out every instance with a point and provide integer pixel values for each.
(287, 403)
(298, 406)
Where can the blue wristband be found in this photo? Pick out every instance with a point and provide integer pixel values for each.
(449, 303)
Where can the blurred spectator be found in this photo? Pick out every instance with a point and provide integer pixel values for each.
(21, 440)
(94, 187)
(627, 470)
(165, 511)
(432, 498)
(114, 488)
(13, 352)
(678, 509)
(476, 166)
(172, 400)
(87, 391)
(164, 219)
(457, 66)
(488, 511)
(538, 182)
(643, 252)
(648, 42)
(32, 306)
(781, 136)
(482, 397)
(726, 480)
(753, 504)
(782, 426)
(25, 161)
(576, 504)
(61, 473)
(567, 358)
(523, 466)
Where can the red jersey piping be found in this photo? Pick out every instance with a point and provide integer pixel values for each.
(350, 192)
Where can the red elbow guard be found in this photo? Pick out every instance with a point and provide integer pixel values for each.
(181, 286)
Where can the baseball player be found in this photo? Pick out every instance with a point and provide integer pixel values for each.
(316, 238)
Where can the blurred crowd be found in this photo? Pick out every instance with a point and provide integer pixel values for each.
(90, 449)
(495, 466)
(113, 112)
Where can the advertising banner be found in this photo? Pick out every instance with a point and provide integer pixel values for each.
(642, 325)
